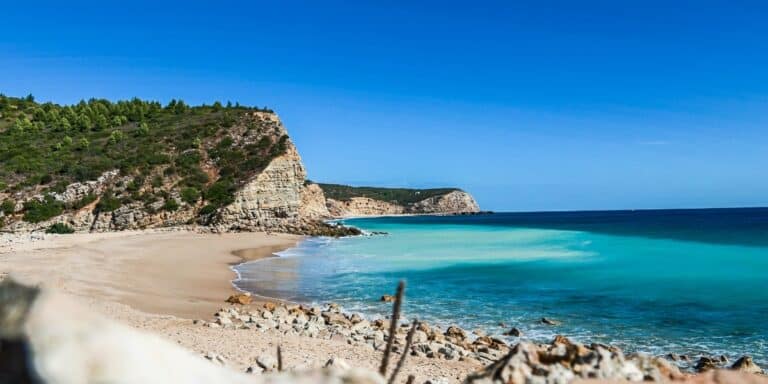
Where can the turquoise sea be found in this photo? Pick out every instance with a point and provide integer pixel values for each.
(691, 282)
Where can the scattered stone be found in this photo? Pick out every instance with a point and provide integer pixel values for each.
(254, 370)
(455, 332)
(745, 364)
(560, 361)
(267, 363)
(355, 318)
(560, 339)
(224, 321)
(673, 356)
(705, 363)
(240, 298)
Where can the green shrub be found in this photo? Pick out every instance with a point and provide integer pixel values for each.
(190, 195)
(8, 206)
(37, 211)
(208, 209)
(108, 203)
(60, 228)
(157, 181)
(171, 205)
(221, 193)
(87, 199)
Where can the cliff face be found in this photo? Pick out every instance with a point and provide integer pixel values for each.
(362, 206)
(313, 203)
(269, 201)
(454, 202)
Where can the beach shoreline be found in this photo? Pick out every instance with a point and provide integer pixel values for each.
(180, 273)
(120, 276)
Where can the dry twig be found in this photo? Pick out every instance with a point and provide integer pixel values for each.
(279, 359)
(392, 328)
(408, 342)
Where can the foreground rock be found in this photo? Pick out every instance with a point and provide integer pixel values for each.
(47, 338)
(560, 361)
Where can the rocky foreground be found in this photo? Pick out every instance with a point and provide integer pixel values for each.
(48, 338)
(560, 361)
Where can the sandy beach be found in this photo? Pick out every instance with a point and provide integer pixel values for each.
(161, 281)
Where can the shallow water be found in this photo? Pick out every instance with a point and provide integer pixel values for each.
(690, 282)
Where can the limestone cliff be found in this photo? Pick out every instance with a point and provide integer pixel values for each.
(270, 200)
(313, 203)
(346, 201)
(363, 206)
(451, 203)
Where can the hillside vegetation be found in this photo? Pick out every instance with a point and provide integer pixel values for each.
(174, 154)
(400, 196)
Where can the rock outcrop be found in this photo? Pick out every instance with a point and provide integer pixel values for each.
(270, 200)
(313, 203)
(451, 203)
(455, 202)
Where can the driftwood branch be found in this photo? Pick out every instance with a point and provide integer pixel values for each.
(392, 328)
(411, 379)
(408, 342)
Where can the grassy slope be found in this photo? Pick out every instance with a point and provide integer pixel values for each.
(44, 147)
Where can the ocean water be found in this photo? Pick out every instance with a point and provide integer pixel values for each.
(691, 282)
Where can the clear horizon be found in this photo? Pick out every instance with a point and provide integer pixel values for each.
(529, 107)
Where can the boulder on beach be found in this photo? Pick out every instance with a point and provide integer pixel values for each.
(514, 332)
(705, 364)
(745, 364)
(240, 298)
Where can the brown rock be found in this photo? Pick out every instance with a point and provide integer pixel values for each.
(240, 298)
(455, 332)
(560, 339)
(387, 298)
(705, 364)
(544, 320)
(513, 332)
(745, 364)
(270, 306)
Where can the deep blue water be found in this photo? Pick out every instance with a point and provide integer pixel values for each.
(686, 281)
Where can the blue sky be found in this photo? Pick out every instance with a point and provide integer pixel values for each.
(528, 105)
